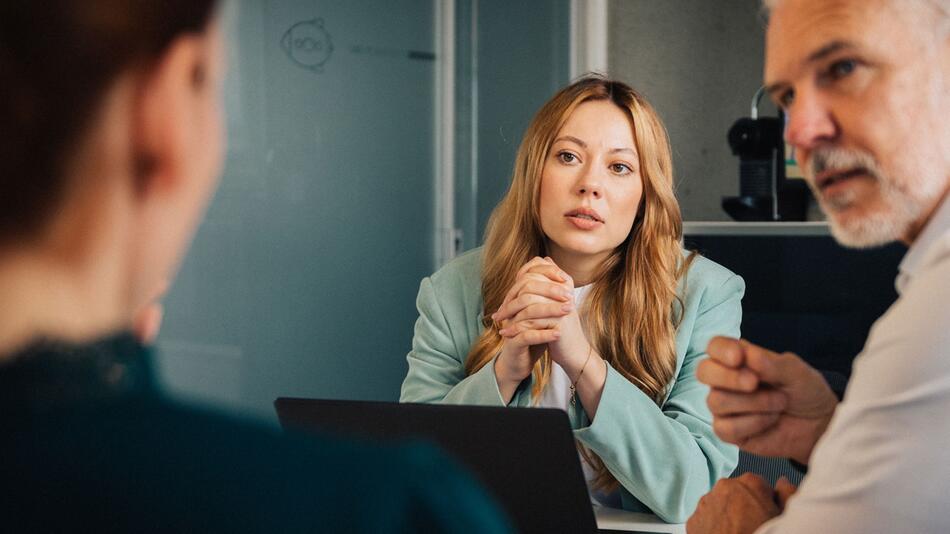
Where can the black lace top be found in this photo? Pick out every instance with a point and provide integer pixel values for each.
(88, 443)
(48, 375)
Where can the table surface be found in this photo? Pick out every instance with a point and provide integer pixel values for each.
(614, 519)
(810, 228)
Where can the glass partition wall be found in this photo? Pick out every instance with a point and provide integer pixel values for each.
(335, 200)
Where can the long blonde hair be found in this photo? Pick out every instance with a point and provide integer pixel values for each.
(630, 319)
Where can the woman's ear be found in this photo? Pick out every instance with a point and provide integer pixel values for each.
(166, 115)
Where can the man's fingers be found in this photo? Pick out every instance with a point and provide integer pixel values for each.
(722, 402)
(716, 375)
(754, 483)
(726, 350)
(765, 365)
(783, 491)
(772, 367)
(738, 428)
(760, 491)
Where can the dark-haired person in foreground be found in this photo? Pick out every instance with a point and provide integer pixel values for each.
(111, 147)
(865, 85)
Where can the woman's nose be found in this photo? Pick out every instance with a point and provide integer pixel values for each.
(590, 184)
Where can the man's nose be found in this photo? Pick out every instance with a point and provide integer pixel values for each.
(809, 122)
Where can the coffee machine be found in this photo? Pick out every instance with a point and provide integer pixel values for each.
(765, 193)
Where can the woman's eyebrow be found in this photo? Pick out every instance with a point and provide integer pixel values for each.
(582, 144)
(572, 139)
(628, 150)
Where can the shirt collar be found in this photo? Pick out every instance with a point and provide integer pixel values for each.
(938, 225)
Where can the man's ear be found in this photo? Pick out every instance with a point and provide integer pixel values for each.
(164, 121)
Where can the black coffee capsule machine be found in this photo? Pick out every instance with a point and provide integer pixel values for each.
(764, 192)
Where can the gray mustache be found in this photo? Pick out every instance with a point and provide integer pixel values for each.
(839, 158)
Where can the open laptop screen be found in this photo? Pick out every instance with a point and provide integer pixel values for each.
(526, 457)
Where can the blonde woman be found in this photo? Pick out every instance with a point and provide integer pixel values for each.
(583, 299)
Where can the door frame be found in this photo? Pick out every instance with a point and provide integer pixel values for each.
(588, 53)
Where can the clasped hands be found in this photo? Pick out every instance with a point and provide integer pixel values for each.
(768, 404)
(538, 312)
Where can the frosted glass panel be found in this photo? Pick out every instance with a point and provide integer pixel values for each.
(512, 56)
(302, 279)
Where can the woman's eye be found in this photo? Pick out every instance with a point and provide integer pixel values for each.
(620, 168)
(566, 157)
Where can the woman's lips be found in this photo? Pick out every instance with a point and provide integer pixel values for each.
(584, 222)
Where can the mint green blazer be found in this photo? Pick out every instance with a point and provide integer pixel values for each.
(665, 457)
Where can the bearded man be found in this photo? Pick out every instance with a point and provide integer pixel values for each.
(865, 85)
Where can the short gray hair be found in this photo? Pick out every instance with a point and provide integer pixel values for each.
(942, 5)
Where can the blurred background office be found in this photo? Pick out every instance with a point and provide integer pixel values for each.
(369, 141)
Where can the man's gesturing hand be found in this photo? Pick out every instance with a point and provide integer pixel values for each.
(766, 403)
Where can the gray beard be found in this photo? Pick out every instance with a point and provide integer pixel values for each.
(901, 208)
(875, 228)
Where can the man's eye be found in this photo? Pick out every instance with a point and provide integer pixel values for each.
(840, 69)
(785, 99)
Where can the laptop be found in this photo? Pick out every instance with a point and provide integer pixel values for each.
(525, 457)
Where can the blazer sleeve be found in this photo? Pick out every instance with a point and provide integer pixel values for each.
(436, 369)
(669, 457)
